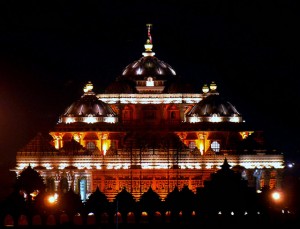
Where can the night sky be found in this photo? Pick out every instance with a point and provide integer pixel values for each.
(50, 49)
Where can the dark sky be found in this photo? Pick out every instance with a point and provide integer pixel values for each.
(50, 49)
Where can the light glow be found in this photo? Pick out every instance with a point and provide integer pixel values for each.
(48, 166)
(209, 165)
(76, 137)
(90, 119)
(110, 119)
(83, 165)
(234, 119)
(194, 119)
(139, 71)
(62, 165)
(52, 198)
(245, 134)
(149, 82)
(215, 118)
(276, 196)
(201, 148)
(70, 120)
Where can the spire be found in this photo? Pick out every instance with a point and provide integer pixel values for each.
(148, 46)
(149, 40)
(225, 165)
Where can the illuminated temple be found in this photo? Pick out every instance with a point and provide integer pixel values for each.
(148, 129)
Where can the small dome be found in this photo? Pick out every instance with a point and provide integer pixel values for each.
(88, 109)
(214, 108)
(214, 104)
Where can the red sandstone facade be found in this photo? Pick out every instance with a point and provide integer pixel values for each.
(148, 129)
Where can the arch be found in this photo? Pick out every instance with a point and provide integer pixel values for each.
(36, 220)
(51, 220)
(50, 184)
(149, 82)
(64, 185)
(130, 217)
(144, 217)
(91, 146)
(77, 219)
(157, 217)
(104, 218)
(118, 217)
(91, 219)
(22, 221)
(9, 221)
(168, 217)
(64, 218)
(180, 215)
(82, 187)
(173, 113)
(127, 113)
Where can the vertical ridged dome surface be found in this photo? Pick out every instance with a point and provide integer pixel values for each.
(87, 106)
(148, 66)
(213, 108)
(213, 104)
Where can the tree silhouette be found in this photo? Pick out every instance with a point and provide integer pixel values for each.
(172, 203)
(97, 203)
(150, 202)
(29, 181)
(70, 202)
(14, 204)
(227, 191)
(187, 202)
(40, 203)
(125, 203)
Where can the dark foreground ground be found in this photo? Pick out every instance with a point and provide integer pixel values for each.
(228, 223)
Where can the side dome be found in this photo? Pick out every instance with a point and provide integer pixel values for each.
(146, 75)
(88, 109)
(213, 108)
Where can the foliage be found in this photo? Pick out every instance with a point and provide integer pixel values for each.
(150, 202)
(97, 202)
(70, 202)
(29, 181)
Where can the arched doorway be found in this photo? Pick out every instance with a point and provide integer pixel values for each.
(82, 187)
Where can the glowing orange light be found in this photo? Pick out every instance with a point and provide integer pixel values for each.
(276, 196)
(51, 199)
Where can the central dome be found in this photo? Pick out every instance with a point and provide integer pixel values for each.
(148, 66)
(146, 75)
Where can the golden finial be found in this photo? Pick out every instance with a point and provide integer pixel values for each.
(149, 40)
(213, 86)
(149, 45)
(88, 87)
(205, 88)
